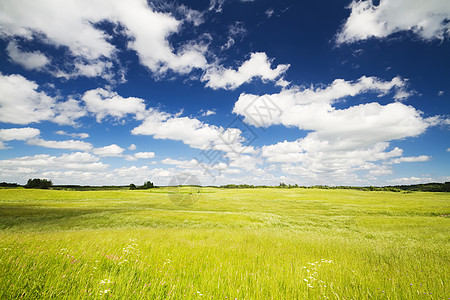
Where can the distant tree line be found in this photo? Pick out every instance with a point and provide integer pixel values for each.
(9, 185)
(427, 187)
(38, 183)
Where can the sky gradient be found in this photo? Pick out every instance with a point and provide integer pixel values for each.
(258, 92)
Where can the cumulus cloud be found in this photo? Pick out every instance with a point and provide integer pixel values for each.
(183, 164)
(29, 60)
(427, 19)
(111, 150)
(192, 132)
(20, 168)
(75, 26)
(75, 29)
(105, 103)
(21, 102)
(18, 133)
(21, 134)
(140, 155)
(340, 142)
(257, 66)
(144, 155)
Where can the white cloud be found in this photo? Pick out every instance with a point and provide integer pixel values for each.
(440, 93)
(269, 12)
(235, 31)
(193, 133)
(68, 144)
(68, 112)
(22, 103)
(111, 150)
(91, 68)
(29, 60)
(72, 24)
(190, 131)
(341, 142)
(412, 180)
(140, 155)
(257, 66)
(207, 113)
(21, 134)
(144, 155)
(81, 135)
(311, 108)
(107, 103)
(42, 162)
(132, 147)
(427, 19)
(420, 158)
(183, 164)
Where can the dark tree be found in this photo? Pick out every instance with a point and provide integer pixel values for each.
(148, 185)
(132, 186)
(37, 183)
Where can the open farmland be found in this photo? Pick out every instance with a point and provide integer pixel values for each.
(233, 243)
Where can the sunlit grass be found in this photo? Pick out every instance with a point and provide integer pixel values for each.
(244, 244)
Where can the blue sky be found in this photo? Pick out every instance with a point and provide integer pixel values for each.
(232, 91)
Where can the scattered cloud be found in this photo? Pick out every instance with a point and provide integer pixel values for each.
(257, 66)
(440, 93)
(111, 150)
(183, 164)
(427, 19)
(80, 135)
(90, 46)
(21, 134)
(416, 180)
(207, 113)
(269, 12)
(105, 103)
(235, 31)
(29, 60)
(23, 103)
(42, 165)
(132, 147)
(420, 158)
(340, 142)
(140, 155)
(68, 144)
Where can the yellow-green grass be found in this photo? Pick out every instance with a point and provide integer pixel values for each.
(233, 243)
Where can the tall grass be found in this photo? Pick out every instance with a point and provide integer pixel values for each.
(244, 244)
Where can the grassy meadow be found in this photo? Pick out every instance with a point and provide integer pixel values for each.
(232, 244)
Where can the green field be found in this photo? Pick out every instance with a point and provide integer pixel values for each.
(232, 244)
